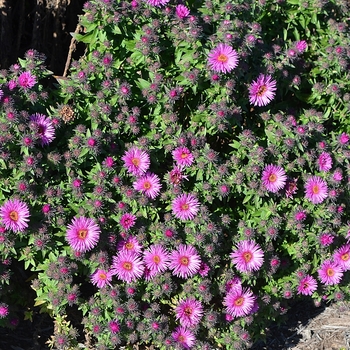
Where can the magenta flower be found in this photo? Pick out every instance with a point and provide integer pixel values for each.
(45, 128)
(127, 221)
(157, 3)
(185, 261)
(300, 215)
(248, 256)
(149, 184)
(127, 266)
(324, 161)
(101, 278)
(239, 302)
(330, 273)
(14, 215)
(223, 58)
(307, 285)
(175, 176)
(342, 257)
(301, 46)
(183, 156)
(182, 11)
(26, 80)
(189, 312)
(136, 161)
(273, 178)
(156, 260)
(131, 244)
(114, 326)
(262, 90)
(185, 206)
(4, 310)
(83, 234)
(316, 189)
(326, 239)
(344, 138)
(184, 337)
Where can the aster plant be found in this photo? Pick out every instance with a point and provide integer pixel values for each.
(181, 186)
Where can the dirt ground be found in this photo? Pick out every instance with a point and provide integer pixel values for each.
(307, 328)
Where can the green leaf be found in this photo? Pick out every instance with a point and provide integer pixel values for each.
(143, 84)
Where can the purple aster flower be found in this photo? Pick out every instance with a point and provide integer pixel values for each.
(184, 337)
(101, 278)
(127, 221)
(26, 80)
(131, 244)
(157, 3)
(83, 234)
(223, 59)
(14, 215)
(330, 273)
(45, 128)
(182, 11)
(185, 206)
(262, 90)
(342, 257)
(185, 261)
(183, 156)
(149, 184)
(248, 256)
(239, 301)
(4, 310)
(127, 266)
(156, 260)
(273, 178)
(324, 161)
(189, 312)
(301, 46)
(136, 161)
(316, 190)
(307, 285)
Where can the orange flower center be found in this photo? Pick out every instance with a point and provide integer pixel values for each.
(188, 311)
(14, 215)
(127, 265)
(181, 338)
(272, 178)
(184, 206)
(82, 233)
(315, 189)
(102, 276)
(345, 257)
(222, 58)
(262, 90)
(247, 256)
(156, 259)
(184, 260)
(330, 272)
(129, 246)
(239, 301)
(184, 155)
(147, 185)
(135, 161)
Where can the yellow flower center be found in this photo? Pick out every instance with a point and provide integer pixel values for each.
(129, 246)
(272, 178)
(345, 257)
(184, 206)
(135, 161)
(239, 301)
(156, 259)
(222, 58)
(315, 189)
(330, 272)
(184, 261)
(14, 215)
(127, 266)
(82, 233)
(247, 256)
(147, 185)
(102, 276)
(262, 90)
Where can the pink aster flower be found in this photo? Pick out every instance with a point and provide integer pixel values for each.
(156, 260)
(300, 215)
(316, 189)
(183, 156)
(101, 278)
(182, 11)
(307, 285)
(157, 3)
(344, 138)
(185, 261)
(184, 337)
(83, 234)
(175, 176)
(262, 90)
(4, 310)
(248, 256)
(127, 221)
(239, 301)
(131, 244)
(301, 46)
(324, 161)
(149, 184)
(330, 273)
(136, 161)
(326, 239)
(45, 129)
(114, 326)
(185, 206)
(342, 257)
(26, 80)
(14, 215)
(273, 178)
(291, 187)
(127, 266)
(189, 312)
(223, 58)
